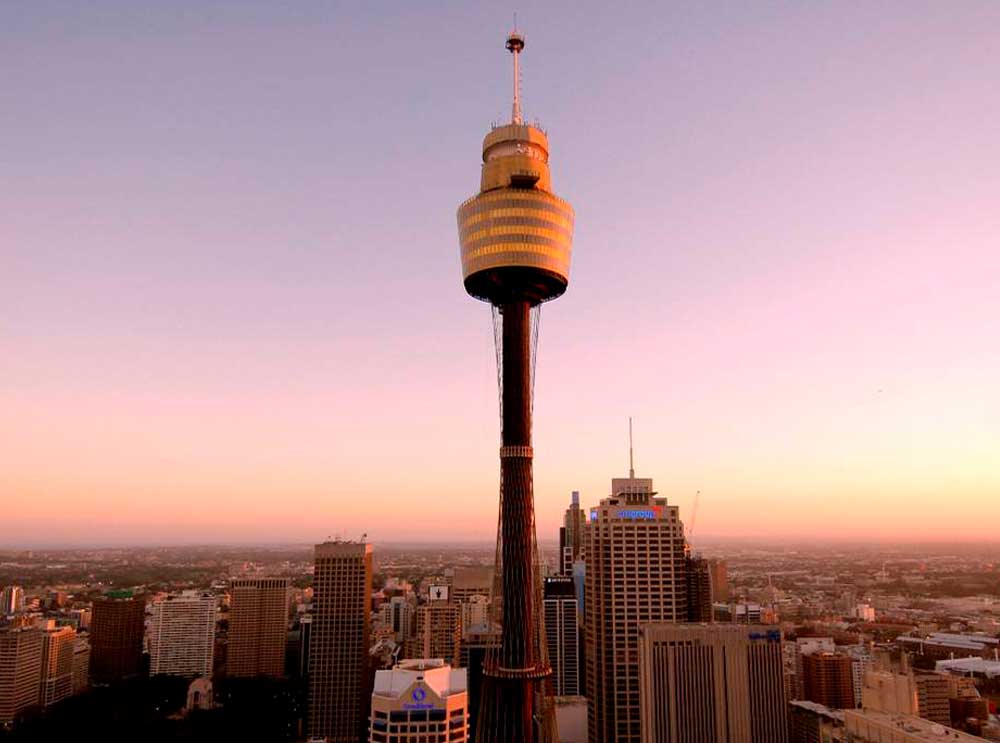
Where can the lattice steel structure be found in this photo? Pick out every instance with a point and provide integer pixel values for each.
(515, 238)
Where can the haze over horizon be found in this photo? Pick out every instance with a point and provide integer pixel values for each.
(234, 312)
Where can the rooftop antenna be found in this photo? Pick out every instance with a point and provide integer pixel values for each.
(515, 43)
(631, 468)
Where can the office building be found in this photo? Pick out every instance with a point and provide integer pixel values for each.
(635, 550)
(698, 578)
(116, 633)
(420, 701)
(339, 669)
(705, 683)
(439, 629)
(720, 580)
(182, 635)
(562, 634)
(11, 600)
(515, 237)
(258, 627)
(81, 664)
(571, 535)
(828, 680)
(469, 582)
(398, 613)
(58, 645)
(476, 640)
(20, 671)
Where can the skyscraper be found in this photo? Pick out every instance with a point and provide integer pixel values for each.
(116, 631)
(57, 663)
(258, 627)
(635, 551)
(420, 700)
(562, 632)
(11, 600)
(339, 671)
(699, 589)
(182, 635)
(711, 684)
(439, 630)
(515, 237)
(571, 535)
(828, 679)
(20, 671)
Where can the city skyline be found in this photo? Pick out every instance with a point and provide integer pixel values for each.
(784, 270)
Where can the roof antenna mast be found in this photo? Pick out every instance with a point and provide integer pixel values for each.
(631, 468)
(515, 43)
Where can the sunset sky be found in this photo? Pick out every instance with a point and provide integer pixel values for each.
(231, 306)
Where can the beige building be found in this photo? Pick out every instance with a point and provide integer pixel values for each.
(20, 671)
(634, 543)
(182, 634)
(867, 726)
(57, 663)
(705, 683)
(339, 668)
(471, 581)
(423, 701)
(258, 627)
(924, 695)
(439, 632)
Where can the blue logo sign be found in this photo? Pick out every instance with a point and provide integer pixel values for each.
(419, 694)
(636, 513)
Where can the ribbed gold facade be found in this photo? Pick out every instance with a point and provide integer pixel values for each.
(515, 223)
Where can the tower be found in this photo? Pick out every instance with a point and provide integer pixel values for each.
(635, 552)
(182, 635)
(339, 667)
(116, 632)
(258, 627)
(515, 238)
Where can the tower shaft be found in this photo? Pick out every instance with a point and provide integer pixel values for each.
(514, 706)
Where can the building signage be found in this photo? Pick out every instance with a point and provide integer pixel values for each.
(419, 697)
(640, 514)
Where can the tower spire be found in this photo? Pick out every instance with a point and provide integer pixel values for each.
(515, 43)
(631, 468)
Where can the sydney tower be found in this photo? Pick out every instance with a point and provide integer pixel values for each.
(516, 237)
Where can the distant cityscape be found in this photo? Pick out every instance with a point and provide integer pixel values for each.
(651, 636)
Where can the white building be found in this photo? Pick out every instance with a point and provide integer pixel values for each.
(12, 600)
(420, 700)
(182, 634)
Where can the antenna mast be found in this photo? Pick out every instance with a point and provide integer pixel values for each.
(631, 467)
(515, 43)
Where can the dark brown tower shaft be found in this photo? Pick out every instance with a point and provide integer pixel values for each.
(514, 674)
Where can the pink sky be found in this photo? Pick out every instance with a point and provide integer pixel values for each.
(232, 307)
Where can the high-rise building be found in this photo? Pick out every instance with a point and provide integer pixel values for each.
(398, 613)
(439, 631)
(57, 663)
(420, 700)
(704, 683)
(469, 582)
(182, 635)
(11, 600)
(339, 669)
(476, 611)
(828, 680)
(562, 633)
(635, 574)
(20, 671)
(571, 535)
(698, 578)
(720, 580)
(258, 627)
(476, 639)
(116, 632)
(515, 238)
(81, 664)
